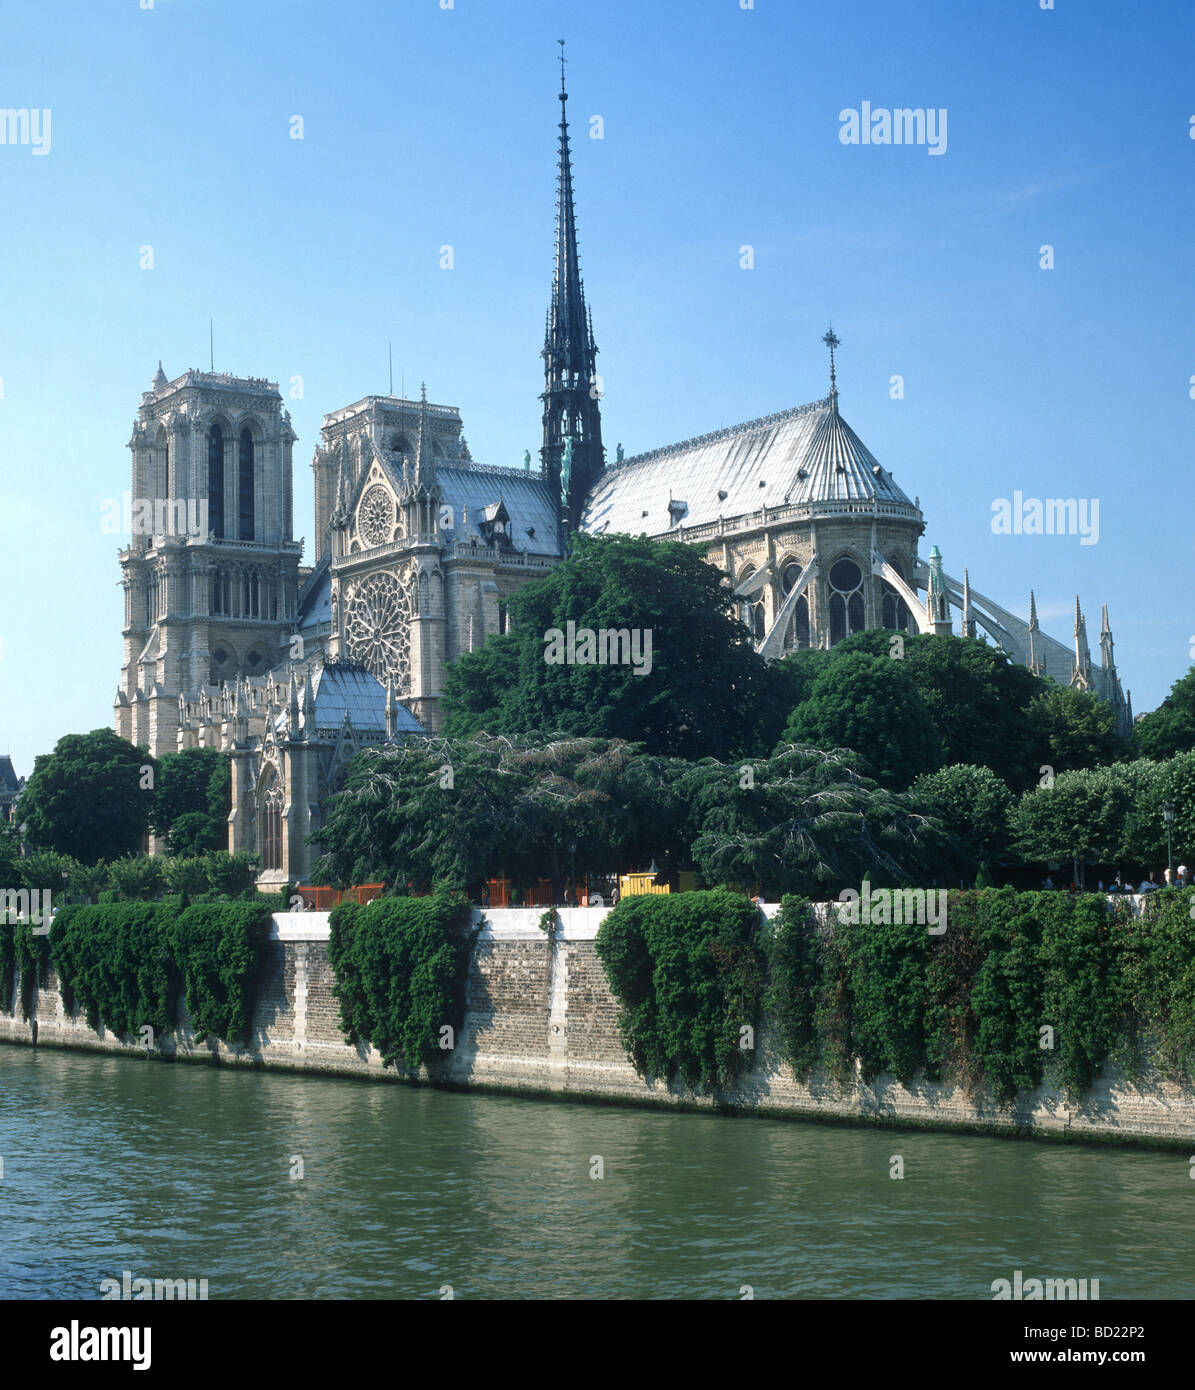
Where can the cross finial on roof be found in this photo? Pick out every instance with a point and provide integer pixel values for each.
(563, 60)
(832, 340)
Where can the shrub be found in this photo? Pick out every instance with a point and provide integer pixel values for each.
(137, 878)
(400, 967)
(217, 948)
(688, 970)
(188, 876)
(232, 875)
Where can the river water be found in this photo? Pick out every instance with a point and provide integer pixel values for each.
(184, 1172)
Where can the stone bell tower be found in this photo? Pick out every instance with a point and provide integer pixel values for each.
(210, 570)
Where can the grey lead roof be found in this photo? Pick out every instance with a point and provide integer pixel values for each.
(338, 688)
(802, 456)
(528, 499)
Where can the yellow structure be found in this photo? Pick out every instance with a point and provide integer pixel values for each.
(630, 885)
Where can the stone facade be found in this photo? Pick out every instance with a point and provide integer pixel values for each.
(420, 549)
(542, 1021)
(211, 572)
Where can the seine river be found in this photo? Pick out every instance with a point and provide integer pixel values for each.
(181, 1171)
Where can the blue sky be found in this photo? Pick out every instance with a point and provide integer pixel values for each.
(426, 126)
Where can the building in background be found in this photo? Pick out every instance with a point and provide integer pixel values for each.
(230, 643)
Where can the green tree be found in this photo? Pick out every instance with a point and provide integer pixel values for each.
(192, 798)
(1082, 817)
(458, 810)
(870, 704)
(91, 798)
(1170, 728)
(974, 804)
(976, 697)
(138, 878)
(804, 821)
(1074, 729)
(707, 691)
(192, 833)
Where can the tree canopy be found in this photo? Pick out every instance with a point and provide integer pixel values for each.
(92, 798)
(192, 798)
(462, 810)
(870, 704)
(704, 691)
(1170, 728)
(1074, 729)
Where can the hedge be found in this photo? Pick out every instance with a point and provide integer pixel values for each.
(400, 967)
(688, 969)
(127, 964)
(1021, 988)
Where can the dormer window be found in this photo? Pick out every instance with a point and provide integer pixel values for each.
(676, 510)
(495, 524)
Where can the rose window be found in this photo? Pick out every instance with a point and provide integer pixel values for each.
(377, 627)
(376, 517)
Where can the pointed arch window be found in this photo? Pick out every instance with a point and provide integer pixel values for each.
(215, 481)
(753, 611)
(271, 822)
(846, 600)
(797, 636)
(245, 484)
(895, 613)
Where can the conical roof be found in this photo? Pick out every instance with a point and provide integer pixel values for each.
(806, 457)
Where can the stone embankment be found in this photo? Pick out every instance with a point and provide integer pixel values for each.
(541, 1020)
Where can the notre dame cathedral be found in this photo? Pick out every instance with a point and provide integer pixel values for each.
(230, 642)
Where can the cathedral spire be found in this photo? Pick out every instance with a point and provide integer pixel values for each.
(1034, 661)
(968, 623)
(292, 707)
(832, 340)
(1107, 658)
(1082, 652)
(425, 467)
(571, 387)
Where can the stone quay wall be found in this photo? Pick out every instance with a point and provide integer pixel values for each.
(540, 1020)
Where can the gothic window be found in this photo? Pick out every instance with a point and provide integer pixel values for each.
(377, 627)
(798, 625)
(753, 611)
(895, 611)
(215, 481)
(271, 816)
(846, 600)
(245, 484)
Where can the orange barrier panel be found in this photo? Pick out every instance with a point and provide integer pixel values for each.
(320, 898)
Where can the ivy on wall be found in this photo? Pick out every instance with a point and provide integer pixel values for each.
(218, 948)
(115, 961)
(127, 964)
(688, 969)
(1021, 988)
(400, 966)
(25, 956)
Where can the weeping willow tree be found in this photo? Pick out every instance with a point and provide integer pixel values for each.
(457, 810)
